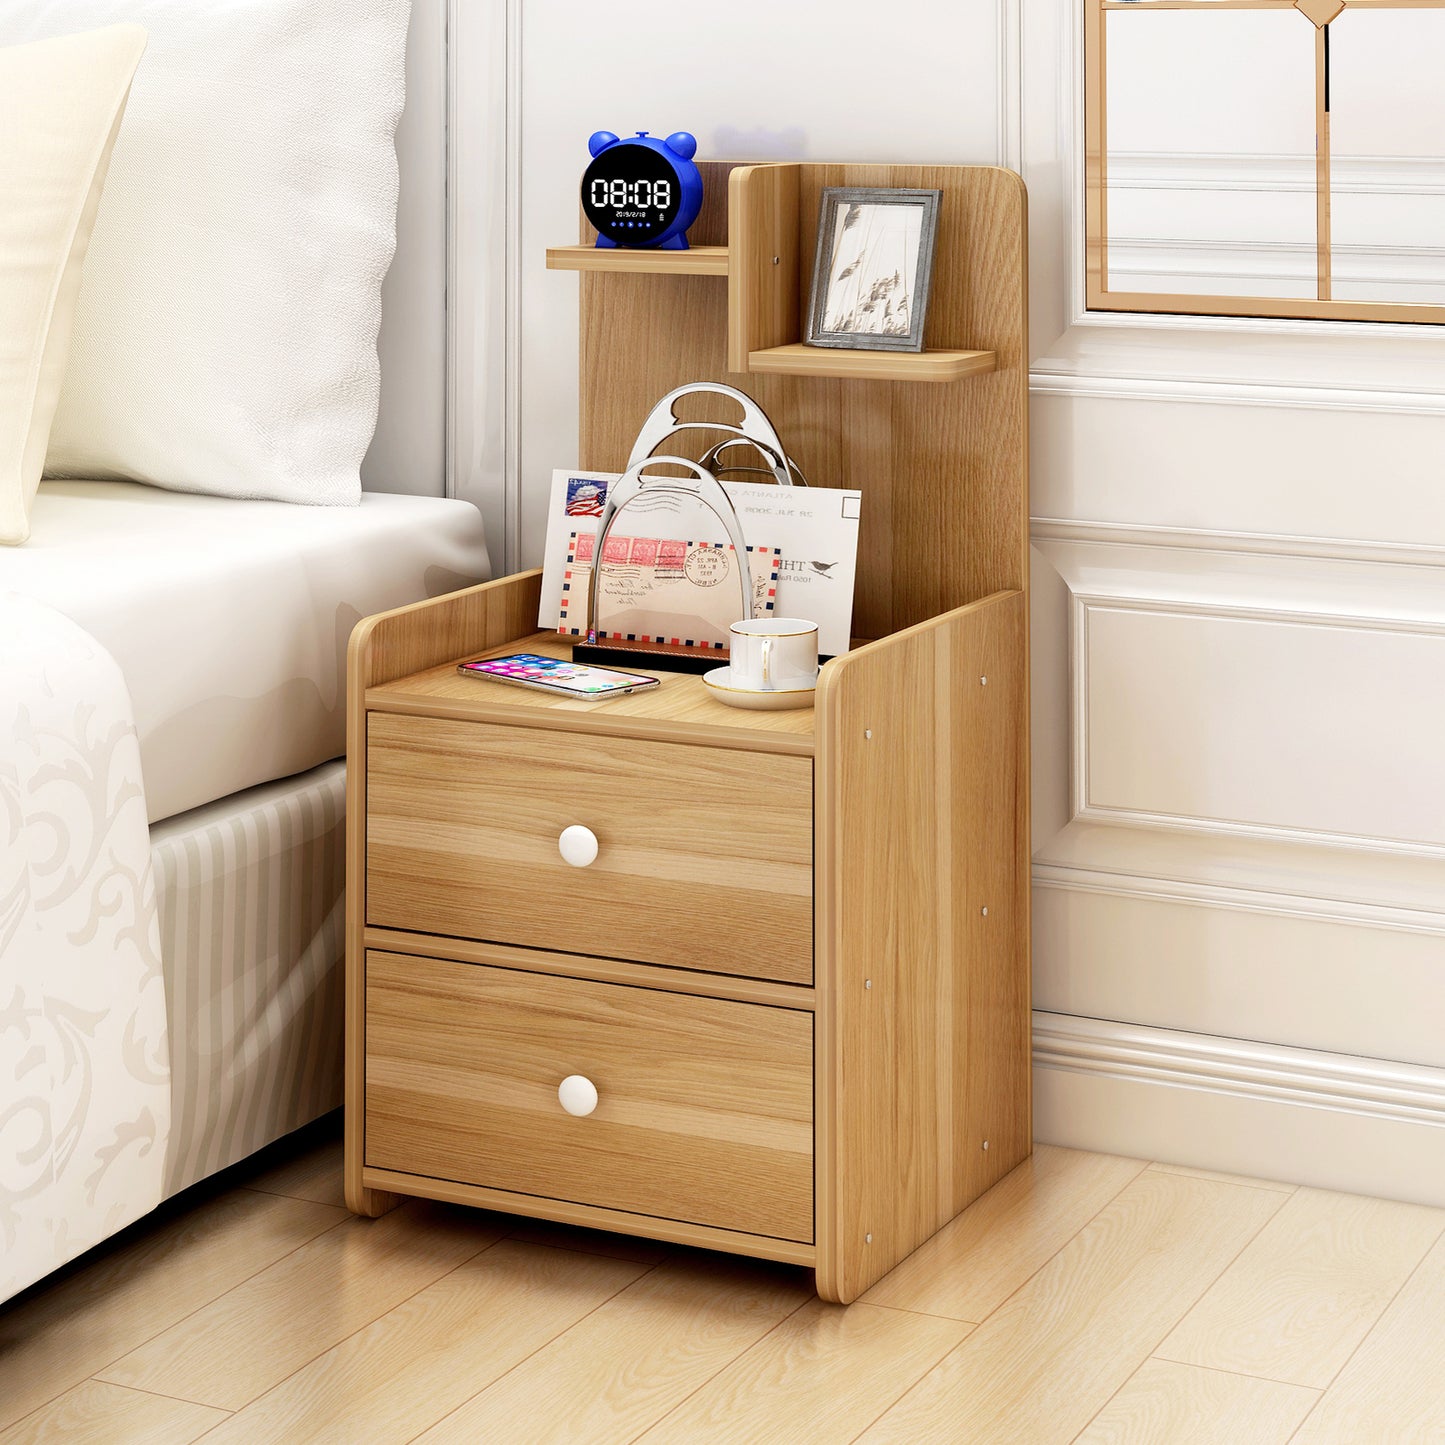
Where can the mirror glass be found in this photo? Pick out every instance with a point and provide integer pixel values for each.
(1387, 155)
(1210, 173)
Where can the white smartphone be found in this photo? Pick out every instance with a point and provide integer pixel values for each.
(551, 674)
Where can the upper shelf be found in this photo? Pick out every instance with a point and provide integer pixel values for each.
(799, 359)
(695, 261)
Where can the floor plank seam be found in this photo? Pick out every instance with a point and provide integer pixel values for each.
(1177, 1173)
(1389, 1304)
(1124, 1385)
(925, 1314)
(1228, 1265)
(366, 1325)
(1044, 1263)
(904, 1394)
(726, 1364)
(1238, 1374)
(551, 1340)
(913, 1384)
(99, 1375)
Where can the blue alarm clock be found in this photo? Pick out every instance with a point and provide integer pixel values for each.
(642, 191)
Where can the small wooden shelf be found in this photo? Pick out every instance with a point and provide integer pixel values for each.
(799, 359)
(696, 261)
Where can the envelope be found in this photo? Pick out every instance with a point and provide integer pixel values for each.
(658, 590)
(816, 529)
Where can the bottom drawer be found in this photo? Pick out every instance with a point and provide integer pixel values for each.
(704, 1106)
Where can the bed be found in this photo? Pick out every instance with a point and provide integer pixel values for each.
(172, 678)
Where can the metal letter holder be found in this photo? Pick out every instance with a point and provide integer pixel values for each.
(702, 485)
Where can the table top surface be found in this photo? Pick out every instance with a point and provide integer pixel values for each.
(682, 709)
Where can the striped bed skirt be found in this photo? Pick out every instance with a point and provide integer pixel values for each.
(250, 893)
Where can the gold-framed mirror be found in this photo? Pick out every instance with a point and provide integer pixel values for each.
(1274, 158)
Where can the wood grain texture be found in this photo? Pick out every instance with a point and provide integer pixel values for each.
(262, 1330)
(463, 822)
(822, 1376)
(924, 1012)
(695, 261)
(975, 1262)
(94, 1413)
(1296, 1304)
(410, 1368)
(1184, 1405)
(1219, 1178)
(1043, 1364)
(933, 365)
(591, 1241)
(681, 710)
(1393, 1388)
(705, 1106)
(944, 486)
(590, 1216)
(635, 1358)
(59, 1336)
(766, 272)
(315, 1175)
(383, 648)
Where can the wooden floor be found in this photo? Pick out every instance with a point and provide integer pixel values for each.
(1085, 1298)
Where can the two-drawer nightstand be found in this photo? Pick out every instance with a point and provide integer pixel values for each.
(789, 995)
(807, 1037)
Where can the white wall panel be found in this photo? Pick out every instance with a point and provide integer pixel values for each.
(1255, 721)
(1243, 972)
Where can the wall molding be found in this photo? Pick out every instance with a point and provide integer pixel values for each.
(1258, 544)
(1375, 1088)
(1194, 893)
(1265, 1110)
(1209, 391)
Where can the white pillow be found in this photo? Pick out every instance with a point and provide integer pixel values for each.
(60, 107)
(225, 336)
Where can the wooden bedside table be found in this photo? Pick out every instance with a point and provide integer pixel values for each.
(797, 972)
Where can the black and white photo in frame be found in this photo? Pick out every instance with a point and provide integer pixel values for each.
(872, 269)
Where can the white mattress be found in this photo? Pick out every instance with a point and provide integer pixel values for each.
(229, 619)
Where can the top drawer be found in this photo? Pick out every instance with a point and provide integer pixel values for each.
(704, 855)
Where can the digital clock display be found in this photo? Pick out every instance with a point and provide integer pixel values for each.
(619, 195)
(631, 194)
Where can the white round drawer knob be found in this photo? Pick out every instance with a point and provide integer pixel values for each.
(578, 845)
(578, 1095)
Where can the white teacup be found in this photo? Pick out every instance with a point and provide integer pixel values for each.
(774, 654)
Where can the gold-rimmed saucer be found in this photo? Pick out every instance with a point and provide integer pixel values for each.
(719, 684)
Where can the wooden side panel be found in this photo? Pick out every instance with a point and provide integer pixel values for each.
(943, 467)
(704, 1112)
(764, 263)
(382, 648)
(923, 998)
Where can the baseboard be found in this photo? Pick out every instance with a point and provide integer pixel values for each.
(1335, 1121)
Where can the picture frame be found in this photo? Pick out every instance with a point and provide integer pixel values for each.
(872, 268)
